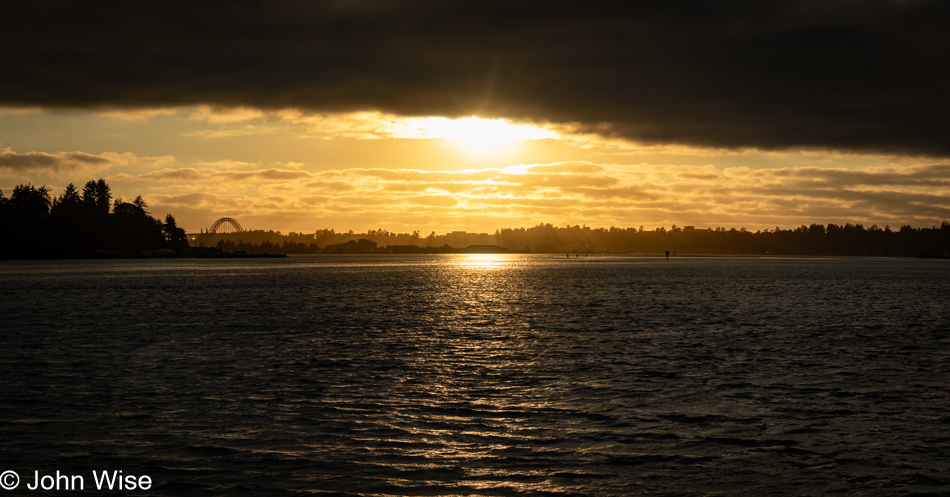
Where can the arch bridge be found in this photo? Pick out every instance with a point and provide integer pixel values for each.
(226, 225)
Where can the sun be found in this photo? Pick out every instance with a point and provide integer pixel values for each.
(478, 135)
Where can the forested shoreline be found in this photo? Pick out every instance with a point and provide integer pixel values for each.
(81, 224)
(90, 223)
(813, 240)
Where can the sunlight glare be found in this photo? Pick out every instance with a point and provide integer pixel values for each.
(484, 261)
(474, 133)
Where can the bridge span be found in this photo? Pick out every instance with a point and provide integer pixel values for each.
(224, 225)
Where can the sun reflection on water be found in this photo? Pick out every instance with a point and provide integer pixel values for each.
(484, 261)
(473, 394)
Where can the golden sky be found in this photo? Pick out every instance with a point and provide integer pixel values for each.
(480, 114)
(290, 170)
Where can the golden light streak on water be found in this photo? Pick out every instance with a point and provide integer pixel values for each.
(484, 261)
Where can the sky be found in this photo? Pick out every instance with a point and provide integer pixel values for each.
(475, 115)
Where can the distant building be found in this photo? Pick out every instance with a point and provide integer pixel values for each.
(361, 246)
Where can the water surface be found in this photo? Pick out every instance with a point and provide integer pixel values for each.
(481, 374)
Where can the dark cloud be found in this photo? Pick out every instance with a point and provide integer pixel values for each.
(935, 176)
(55, 162)
(847, 74)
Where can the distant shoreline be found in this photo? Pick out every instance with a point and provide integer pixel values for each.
(555, 255)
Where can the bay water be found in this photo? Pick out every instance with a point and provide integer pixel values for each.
(480, 374)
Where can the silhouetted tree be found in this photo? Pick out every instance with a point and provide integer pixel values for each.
(30, 203)
(140, 203)
(97, 195)
(69, 204)
(77, 225)
(174, 236)
(136, 208)
(132, 229)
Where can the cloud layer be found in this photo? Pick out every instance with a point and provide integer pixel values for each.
(574, 192)
(842, 74)
(68, 162)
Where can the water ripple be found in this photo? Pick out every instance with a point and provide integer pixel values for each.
(495, 375)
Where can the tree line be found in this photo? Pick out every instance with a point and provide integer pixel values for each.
(81, 223)
(815, 239)
(90, 223)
